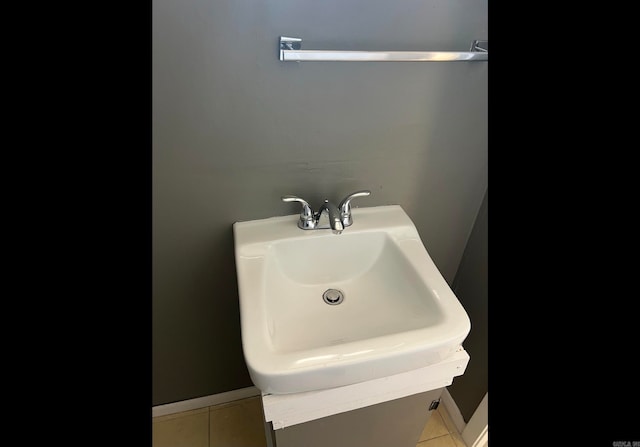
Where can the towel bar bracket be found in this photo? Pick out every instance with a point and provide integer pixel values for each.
(480, 45)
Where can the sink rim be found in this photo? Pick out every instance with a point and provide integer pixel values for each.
(352, 361)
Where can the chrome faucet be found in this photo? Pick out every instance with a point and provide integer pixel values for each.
(334, 216)
(339, 216)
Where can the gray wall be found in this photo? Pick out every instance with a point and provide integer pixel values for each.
(234, 129)
(471, 288)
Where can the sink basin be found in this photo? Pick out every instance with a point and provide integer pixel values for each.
(320, 310)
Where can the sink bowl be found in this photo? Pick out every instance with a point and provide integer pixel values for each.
(320, 310)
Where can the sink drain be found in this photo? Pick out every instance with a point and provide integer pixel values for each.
(333, 296)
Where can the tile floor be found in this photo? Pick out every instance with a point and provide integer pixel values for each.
(239, 424)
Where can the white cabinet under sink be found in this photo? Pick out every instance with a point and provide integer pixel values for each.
(399, 402)
(393, 423)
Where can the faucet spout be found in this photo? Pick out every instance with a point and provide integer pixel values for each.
(335, 221)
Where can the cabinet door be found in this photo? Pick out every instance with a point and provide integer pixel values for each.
(397, 423)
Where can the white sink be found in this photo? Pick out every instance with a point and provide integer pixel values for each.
(397, 312)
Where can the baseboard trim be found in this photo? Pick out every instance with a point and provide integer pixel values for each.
(454, 411)
(206, 401)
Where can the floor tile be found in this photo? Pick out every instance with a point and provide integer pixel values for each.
(237, 424)
(440, 441)
(458, 439)
(186, 429)
(448, 422)
(434, 427)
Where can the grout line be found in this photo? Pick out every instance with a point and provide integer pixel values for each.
(437, 437)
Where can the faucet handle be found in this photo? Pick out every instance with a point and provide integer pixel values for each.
(345, 206)
(306, 213)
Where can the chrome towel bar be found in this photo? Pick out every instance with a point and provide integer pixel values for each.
(290, 50)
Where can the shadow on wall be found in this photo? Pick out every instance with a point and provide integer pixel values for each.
(471, 288)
